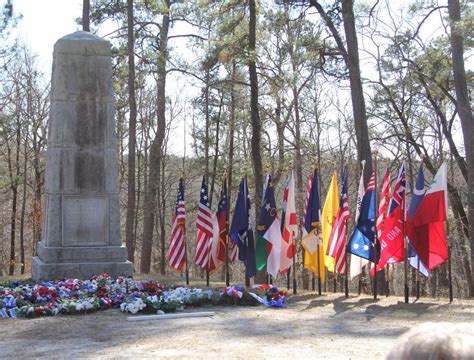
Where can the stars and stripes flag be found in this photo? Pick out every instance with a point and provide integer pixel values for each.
(337, 239)
(205, 230)
(393, 234)
(383, 203)
(177, 250)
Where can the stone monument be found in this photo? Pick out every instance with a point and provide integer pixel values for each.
(81, 226)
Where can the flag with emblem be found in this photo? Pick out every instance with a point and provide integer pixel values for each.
(311, 239)
(241, 230)
(418, 194)
(392, 238)
(356, 262)
(269, 229)
(361, 242)
(328, 215)
(289, 226)
(426, 228)
(383, 203)
(205, 230)
(177, 255)
(337, 239)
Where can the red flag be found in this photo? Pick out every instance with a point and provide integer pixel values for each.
(426, 228)
(392, 238)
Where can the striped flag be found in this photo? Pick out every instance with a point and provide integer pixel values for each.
(337, 239)
(205, 229)
(220, 231)
(383, 203)
(177, 241)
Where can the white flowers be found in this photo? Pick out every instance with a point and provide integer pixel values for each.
(133, 307)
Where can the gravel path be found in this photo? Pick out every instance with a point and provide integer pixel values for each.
(326, 327)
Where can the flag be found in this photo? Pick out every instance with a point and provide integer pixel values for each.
(241, 231)
(289, 226)
(177, 250)
(220, 230)
(269, 229)
(204, 225)
(426, 228)
(311, 240)
(418, 194)
(328, 215)
(392, 238)
(337, 239)
(261, 251)
(358, 263)
(383, 203)
(361, 242)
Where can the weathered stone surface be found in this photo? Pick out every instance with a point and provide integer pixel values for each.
(81, 234)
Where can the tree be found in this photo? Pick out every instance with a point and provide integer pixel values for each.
(132, 134)
(465, 114)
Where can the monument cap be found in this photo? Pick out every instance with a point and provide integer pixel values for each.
(82, 43)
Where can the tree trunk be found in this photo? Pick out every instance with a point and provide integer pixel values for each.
(465, 114)
(132, 135)
(86, 22)
(255, 118)
(150, 203)
(23, 208)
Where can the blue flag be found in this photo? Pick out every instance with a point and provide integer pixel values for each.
(361, 242)
(312, 214)
(241, 231)
(418, 195)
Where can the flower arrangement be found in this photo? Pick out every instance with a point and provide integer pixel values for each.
(73, 296)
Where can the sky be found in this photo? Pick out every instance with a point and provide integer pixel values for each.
(45, 21)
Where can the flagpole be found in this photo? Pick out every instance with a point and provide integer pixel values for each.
(450, 278)
(375, 232)
(346, 275)
(293, 243)
(186, 256)
(227, 274)
(418, 278)
(405, 249)
(247, 278)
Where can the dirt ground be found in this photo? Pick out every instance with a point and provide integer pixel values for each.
(326, 327)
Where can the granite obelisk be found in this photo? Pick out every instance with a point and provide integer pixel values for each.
(81, 226)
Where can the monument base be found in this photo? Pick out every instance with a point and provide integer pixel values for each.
(80, 262)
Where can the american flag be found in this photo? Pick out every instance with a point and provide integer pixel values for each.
(337, 239)
(205, 229)
(177, 241)
(383, 204)
(398, 196)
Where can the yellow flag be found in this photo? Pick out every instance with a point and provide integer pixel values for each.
(311, 260)
(330, 209)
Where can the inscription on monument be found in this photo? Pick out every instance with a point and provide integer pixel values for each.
(85, 221)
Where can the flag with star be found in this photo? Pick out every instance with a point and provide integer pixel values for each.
(361, 242)
(418, 194)
(177, 251)
(241, 230)
(269, 229)
(218, 252)
(204, 225)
